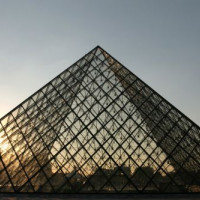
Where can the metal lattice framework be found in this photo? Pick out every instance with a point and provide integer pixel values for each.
(97, 127)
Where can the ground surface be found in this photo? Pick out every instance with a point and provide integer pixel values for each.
(97, 197)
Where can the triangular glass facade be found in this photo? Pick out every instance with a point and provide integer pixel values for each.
(97, 128)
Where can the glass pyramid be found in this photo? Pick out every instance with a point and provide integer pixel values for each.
(98, 128)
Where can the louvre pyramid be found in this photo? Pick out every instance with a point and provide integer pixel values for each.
(98, 128)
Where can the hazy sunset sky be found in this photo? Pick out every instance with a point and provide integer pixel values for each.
(158, 40)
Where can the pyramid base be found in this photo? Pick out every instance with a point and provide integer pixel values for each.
(26, 196)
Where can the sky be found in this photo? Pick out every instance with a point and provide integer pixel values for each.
(158, 40)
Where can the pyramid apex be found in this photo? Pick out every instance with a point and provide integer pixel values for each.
(99, 47)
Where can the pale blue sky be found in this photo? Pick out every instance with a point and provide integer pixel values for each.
(159, 40)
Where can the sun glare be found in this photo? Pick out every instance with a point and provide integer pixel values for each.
(3, 145)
